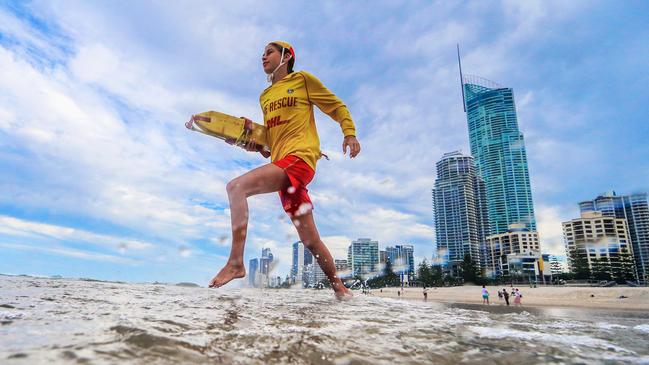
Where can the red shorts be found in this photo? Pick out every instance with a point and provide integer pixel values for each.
(295, 198)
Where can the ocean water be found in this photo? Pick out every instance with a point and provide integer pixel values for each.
(44, 321)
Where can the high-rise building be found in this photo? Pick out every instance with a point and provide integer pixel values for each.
(266, 253)
(253, 266)
(402, 259)
(635, 210)
(600, 243)
(499, 151)
(460, 211)
(265, 261)
(301, 258)
(383, 255)
(297, 262)
(556, 265)
(363, 257)
(341, 266)
(315, 275)
(265, 268)
(527, 265)
(517, 240)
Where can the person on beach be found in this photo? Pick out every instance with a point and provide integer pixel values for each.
(517, 297)
(425, 294)
(506, 296)
(287, 106)
(500, 296)
(485, 295)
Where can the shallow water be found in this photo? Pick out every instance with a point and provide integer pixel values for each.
(74, 321)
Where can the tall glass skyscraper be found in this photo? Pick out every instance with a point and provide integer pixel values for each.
(301, 258)
(265, 261)
(499, 151)
(253, 266)
(459, 204)
(635, 209)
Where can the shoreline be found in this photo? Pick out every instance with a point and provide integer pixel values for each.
(637, 299)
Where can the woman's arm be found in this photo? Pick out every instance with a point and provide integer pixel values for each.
(331, 105)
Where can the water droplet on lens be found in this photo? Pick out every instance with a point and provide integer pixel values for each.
(184, 251)
(304, 209)
(291, 189)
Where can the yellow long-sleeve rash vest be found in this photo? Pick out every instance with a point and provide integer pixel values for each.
(289, 119)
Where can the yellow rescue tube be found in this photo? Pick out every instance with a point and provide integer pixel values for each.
(229, 128)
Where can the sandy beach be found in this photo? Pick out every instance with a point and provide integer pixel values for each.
(602, 298)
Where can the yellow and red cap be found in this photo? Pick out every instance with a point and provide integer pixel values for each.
(287, 46)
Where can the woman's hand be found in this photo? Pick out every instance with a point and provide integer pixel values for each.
(353, 144)
(252, 145)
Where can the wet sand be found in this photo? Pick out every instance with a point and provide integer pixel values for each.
(551, 296)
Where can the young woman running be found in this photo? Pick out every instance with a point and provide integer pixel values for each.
(294, 150)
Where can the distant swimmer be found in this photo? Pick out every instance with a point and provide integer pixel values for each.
(287, 106)
(485, 295)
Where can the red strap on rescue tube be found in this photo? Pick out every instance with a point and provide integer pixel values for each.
(247, 124)
(201, 118)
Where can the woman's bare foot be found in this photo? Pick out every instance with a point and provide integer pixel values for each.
(227, 273)
(344, 294)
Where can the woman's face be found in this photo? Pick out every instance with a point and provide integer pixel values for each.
(271, 58)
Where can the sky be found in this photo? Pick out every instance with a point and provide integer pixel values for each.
(100, 179)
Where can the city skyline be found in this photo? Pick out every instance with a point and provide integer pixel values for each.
(364, 258)
(102, 180)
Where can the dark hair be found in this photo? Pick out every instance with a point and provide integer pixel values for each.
(291, 62)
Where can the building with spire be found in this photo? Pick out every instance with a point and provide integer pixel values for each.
(498, 147)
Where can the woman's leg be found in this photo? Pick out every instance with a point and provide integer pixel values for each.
(310, 237)
(265, 179)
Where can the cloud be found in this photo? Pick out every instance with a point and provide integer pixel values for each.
(78, 254)
(94, 97)
(549, 224)
(338, 245)
(22, 228)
